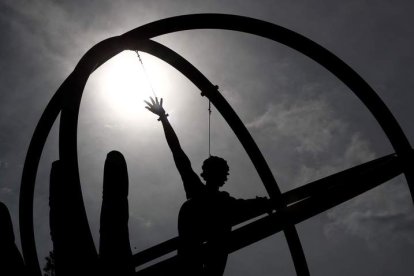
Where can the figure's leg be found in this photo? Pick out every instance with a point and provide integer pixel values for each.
(190, 256)
(190, 233)
(215, 258)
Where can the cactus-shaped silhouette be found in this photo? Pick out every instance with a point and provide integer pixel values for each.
(74, 257)
(74, 254)
(114, 247)
(11, 262)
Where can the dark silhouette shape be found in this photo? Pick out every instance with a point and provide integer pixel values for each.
(303, 203)
(11, 262)
(208, 214)
(49, 269)
(68, 97)
(73, 254)
(114, 247)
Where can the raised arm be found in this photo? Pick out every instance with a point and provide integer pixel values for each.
(191, 182)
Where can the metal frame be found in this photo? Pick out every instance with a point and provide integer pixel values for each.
(68, 97)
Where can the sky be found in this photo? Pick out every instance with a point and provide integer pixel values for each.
(306, 122)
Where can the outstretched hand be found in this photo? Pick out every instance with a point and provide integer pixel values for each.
(156, 107)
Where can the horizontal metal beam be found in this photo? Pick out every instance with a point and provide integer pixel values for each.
(305, 202)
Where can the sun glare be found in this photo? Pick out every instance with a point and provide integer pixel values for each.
(125, 84)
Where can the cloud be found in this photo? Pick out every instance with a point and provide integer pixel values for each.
(356, 151)
(326, 144)
(308, 122)
(4, 164)
(381, 217)
(307, 140)
(6, 190)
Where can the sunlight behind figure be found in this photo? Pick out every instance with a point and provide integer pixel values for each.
(123, 84)
(118, 88)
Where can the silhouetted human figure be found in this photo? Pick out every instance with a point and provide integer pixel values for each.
(208, 214)
(114, 245)
(11, 262)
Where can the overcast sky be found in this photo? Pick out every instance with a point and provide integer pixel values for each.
(307, 123)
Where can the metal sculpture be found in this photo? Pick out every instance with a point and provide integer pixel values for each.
(292, 207)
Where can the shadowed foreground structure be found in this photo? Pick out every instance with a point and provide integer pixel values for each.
(11, 262)
(291, 207)
(67, 237)
(115, 254)
(209, 214)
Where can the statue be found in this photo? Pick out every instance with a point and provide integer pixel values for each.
(208, 214)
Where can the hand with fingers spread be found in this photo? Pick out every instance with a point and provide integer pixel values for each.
(156, 107)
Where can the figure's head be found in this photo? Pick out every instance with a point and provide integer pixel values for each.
(215, 171)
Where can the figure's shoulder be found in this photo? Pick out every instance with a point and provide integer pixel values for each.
(225, 195)
(196, 189)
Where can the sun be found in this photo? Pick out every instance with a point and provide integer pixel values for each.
(125, 83)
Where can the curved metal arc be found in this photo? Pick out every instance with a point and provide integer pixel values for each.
(251, 148)
(30, 168)
(293, 40)
(39, 139)
(305, 46)
(29, 173)
(304, 202)
(110, 47)
(209, 90)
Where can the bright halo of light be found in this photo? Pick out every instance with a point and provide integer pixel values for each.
(124, 84)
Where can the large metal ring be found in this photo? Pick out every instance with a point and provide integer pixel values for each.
(67, 99)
